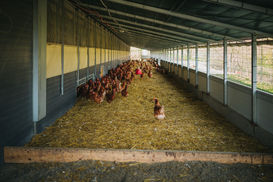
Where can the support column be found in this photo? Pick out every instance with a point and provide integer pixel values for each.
(188, 61)
(78, 47)
(165, 54)
(173, 70)
(104, 30)
(225, 71)
(182, 61)
(95, 47)
(100, 50)
(111, 38)
(108, 49)
(88, 45)
(169, 52)
(254, 78)
(196, 65)
(173, 55)
(182, 58)
(208, 67)
(39, 60)
(177, 58)
(62, 51)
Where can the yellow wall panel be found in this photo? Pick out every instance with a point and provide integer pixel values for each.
(83, 57)
(91, 56)
(106, 55)
(102, 55)
(98, 55)
(53, 60)
(70, 59)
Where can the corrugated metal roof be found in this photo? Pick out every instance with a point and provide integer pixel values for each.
(154, 24)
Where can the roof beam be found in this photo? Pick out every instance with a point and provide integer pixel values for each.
(135, 35)
(189, 17)
(242, 5)
(155, 42)
(156, 29)
(134, 39)
(148, 34)
(149, 31)
(182, 27)
(150, 44)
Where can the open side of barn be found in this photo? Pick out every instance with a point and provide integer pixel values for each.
(49, 48)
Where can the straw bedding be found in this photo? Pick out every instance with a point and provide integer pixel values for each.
(129, 123)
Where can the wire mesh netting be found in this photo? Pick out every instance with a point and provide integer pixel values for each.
(202, 59)
(216, 61)
(192, 58)
(239, 64)
(185, 56)
(265, 67)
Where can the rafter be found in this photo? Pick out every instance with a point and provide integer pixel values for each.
(190, 17)
(156, 29)
(182, 27)
(149, 34)
(242, 5)
(153, 32)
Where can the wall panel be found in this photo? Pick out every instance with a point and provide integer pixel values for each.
(192, 77)
(216, 88)
(202, 82)
(264, 110)
(83, 57)
(92, 56)
(239, 99)
(53, 60)
(70, 59)
(15, 71)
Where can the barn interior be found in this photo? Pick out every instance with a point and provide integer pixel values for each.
(210, 64)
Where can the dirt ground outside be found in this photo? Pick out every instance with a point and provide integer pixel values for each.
(97, 171)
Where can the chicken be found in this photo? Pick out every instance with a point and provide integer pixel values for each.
(150, 74)
(97, 98)
(158, 110)
(116, 80)
(122, 87)
(110, 96)
(124, 92)
(83, 90)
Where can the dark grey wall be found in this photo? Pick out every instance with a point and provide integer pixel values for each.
(15, 70)
(16, 32)
(53, 89)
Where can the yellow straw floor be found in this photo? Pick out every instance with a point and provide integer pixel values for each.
(128, 123)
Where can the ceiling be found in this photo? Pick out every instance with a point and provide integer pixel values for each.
(159, 24)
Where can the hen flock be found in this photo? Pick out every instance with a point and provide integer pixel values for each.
(117, 81)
